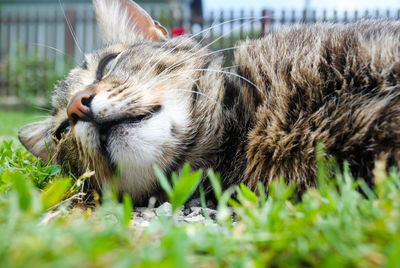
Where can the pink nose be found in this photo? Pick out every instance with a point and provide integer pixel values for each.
(79, 106)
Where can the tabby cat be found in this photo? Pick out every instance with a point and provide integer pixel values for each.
(146, 99)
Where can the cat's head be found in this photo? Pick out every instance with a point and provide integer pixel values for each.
(133, 104)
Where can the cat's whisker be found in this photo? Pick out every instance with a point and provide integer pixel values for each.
(252, 19)
(188, 91)
(235, 75)
(73, 34)
(115, 64)
(183, 61)
(230, 67)
(230, 31)
(149, 72)
(207, 54)
(40, 108)
(40, 117)
(199, 43)
(154, 81)
(149, 60)
(160, 57)
(168, 52)
(202, 94)
(49, 47)
(167, 77)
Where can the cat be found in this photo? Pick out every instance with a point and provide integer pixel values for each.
(145, 99)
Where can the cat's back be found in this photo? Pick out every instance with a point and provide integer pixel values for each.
(305, 53)
(327, 83)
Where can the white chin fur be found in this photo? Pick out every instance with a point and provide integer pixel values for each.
(136, 148)
(88, 136)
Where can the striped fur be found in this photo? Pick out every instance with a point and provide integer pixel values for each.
(336, 84)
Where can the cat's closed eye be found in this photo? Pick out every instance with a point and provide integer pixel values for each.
(63, 128)
(105, 65)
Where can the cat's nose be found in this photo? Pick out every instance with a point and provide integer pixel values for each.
(79, 107)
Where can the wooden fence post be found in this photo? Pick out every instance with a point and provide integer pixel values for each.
(264, 13)
(69, 39)
(266, 19)
(8, 52)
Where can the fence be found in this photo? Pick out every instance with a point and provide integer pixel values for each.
(37, 48)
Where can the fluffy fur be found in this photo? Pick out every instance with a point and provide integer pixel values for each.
(169, 102)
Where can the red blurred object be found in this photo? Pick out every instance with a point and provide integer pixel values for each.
(176, 31)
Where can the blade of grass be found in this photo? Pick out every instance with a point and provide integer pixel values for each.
(163, 181)
(55, 192)
(128, 209)
(185, 186)
(215, 180)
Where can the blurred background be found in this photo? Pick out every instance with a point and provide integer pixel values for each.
(40, 40)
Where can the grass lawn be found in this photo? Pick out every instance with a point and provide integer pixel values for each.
(341, 223)
(11, 121)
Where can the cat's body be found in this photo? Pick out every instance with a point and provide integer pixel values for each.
(146, 101)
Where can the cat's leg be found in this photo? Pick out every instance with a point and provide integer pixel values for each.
(358, 131)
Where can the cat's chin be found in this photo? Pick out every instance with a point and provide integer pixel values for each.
(124, 148)
(129, 147)
(132, 160)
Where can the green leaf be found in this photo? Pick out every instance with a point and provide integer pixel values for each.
(55, 170)
(128, 208)
(261, 192)
(174, 179)
(185, 186)
(2, 171)
(248, 194)
(223, 211)
(215, 180)
(203, 202)
(22, 187)
(226, 197)
(55, 192)
(7, 177)
(163, 180)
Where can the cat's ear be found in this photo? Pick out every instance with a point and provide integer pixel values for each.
(124, 21)
(33, 137)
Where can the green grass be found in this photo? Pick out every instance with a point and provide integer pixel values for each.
(332, 226)
(12, 121)
(342, 223)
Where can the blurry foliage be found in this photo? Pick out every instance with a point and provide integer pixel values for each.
(341, 223)
(32, 76)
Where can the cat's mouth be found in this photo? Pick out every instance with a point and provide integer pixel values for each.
(107, 127)
(105, 130)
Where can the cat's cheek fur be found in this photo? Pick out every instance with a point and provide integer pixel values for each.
(135, 149)
(87, 136)
(134, 157)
